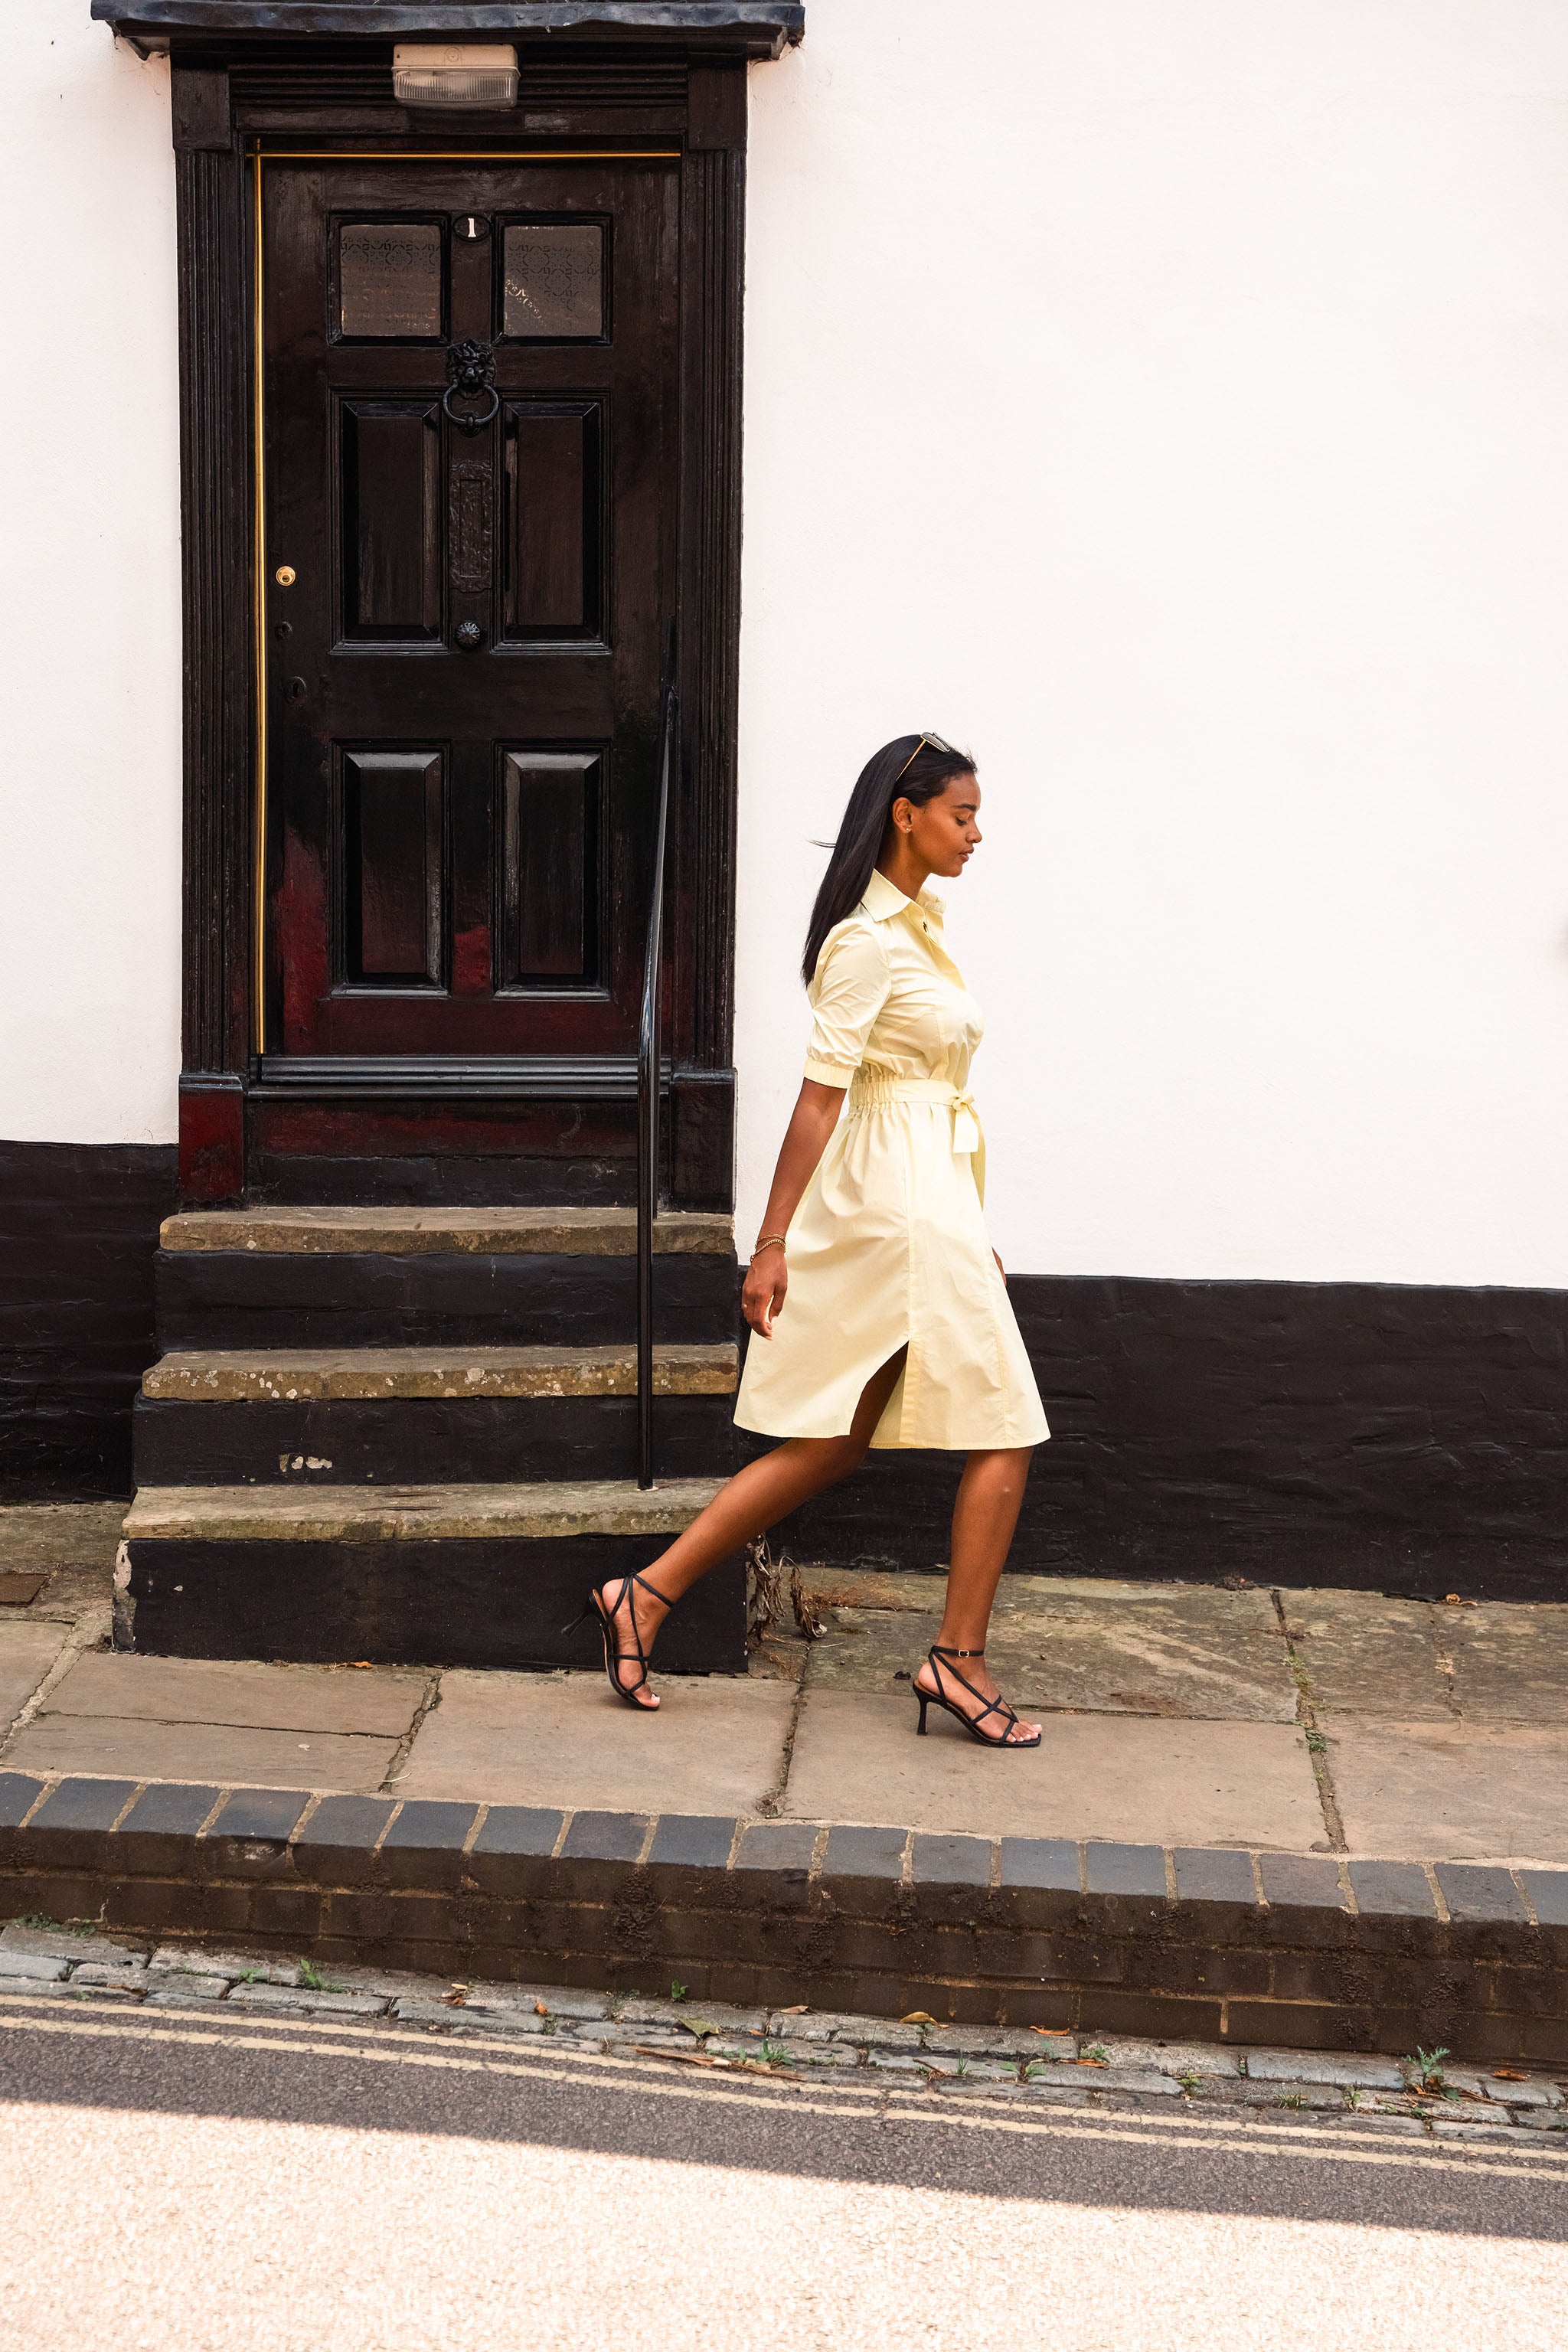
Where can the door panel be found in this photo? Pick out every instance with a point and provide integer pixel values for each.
(391, 862)
(550, 828)
(463, 674)
(555, 523)
(389, 547)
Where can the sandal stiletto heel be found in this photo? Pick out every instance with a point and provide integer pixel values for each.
(971, 1723)
(613, 1654)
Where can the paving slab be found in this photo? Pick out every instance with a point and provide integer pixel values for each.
(714, 1746)
(278, 1698)
(72, 1546)
(1510, 1660)
(226, 1756)
(1452, 1792)
(59, 1535)
(1365, 1654)
(1172, 1649)
(1115, 1776)
(27, 1653)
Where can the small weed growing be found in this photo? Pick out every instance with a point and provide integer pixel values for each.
(776, 2053)
(37, 1919)
(1317, 1744)
(1352, 2096)
(312, 1978)
(1288, 2099)
(1099, 2053)
(678, 1991)
(1192, 2083)
(1424, 2072)
(615, 2005)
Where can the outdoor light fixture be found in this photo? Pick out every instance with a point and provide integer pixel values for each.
(471, 74)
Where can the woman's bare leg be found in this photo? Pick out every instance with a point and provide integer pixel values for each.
(983, 1518)
(753, 1500)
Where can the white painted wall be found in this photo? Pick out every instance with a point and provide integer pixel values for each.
(1169, 398)
(90, 588)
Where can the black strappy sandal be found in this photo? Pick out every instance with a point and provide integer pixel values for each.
(613, 1654)
(971, 1723)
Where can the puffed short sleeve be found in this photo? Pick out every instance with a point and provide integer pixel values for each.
(852, 984)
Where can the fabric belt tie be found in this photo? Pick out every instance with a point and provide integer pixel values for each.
(967, 1138)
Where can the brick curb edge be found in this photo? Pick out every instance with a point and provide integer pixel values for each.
(1312, 1951)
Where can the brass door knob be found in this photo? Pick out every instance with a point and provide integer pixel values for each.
(285, 575)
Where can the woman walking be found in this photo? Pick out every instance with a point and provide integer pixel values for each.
(879, 1310)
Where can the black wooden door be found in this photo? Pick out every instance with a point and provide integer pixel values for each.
(470, 479)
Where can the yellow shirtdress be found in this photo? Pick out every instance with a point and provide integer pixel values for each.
(889, 1246)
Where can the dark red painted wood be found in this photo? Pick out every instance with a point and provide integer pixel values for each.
(212, 1136)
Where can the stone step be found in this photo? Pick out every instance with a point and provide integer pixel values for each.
(338, 1514)
(453, 1232)
(478, 1416)
(461, 1575)
(301, 1375)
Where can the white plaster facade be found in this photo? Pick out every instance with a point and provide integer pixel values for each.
(1168, 398)
(90, 589)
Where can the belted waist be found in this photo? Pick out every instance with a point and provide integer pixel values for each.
(870, 1089)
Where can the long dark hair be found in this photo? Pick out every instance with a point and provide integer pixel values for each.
(911, 768)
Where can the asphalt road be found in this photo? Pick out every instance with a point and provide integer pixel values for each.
(194, 2181)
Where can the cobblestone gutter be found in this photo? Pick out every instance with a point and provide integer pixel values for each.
(1192, 1945)
(1424, 2092)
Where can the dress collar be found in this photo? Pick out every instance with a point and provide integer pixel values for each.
(883, 899)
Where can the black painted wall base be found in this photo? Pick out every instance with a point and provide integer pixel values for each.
(476, 1602)
(79, 1225)
(1377, 1436)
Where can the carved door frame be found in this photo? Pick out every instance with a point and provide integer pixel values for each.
(231, 96)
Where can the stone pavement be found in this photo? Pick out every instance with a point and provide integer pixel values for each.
(1174, 1716)
(1422, 2093)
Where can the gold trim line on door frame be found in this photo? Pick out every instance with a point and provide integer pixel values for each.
(258, 977)
(260, 155)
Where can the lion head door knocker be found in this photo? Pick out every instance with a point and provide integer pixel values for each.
(471, 367)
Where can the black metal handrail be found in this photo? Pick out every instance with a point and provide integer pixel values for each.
(649, 1076)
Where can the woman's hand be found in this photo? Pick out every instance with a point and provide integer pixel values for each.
(763, 1292)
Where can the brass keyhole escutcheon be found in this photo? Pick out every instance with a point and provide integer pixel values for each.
(285, 575)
